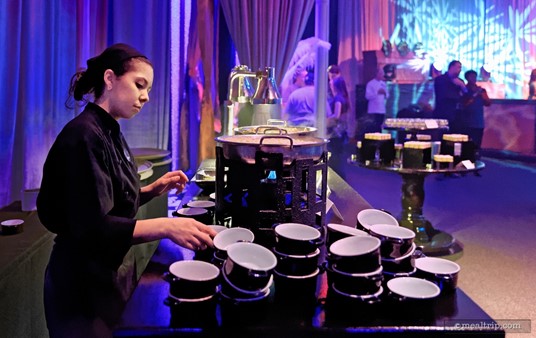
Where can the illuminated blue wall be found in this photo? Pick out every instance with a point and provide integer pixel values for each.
(497, 33)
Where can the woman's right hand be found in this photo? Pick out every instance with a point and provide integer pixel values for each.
(183, 231)
(189, 233)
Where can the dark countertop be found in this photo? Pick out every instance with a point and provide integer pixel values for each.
(300, 309)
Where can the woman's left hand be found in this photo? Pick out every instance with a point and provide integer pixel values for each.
(170, 180)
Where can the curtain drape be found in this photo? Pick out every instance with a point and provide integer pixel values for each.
(266, 33)
(43, 43)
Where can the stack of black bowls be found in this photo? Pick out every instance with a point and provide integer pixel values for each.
(247, 272)
(398, 250)
(354, 271)
(297, 248)
(193, 286)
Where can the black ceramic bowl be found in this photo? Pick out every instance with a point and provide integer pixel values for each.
(192, 279)
(410, 296)
(205, 204)
(249, 266)
(403, 264)
(229, 236)
(12, 226)
(397, 241)
(297, 265)
(290, 289)
(355, 254)
(194, 313)
(199, 214)
(440, 271)
(355, 283)
(232, 291)
(297, 239)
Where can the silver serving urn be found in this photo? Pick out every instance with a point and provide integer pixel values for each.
(246, 106)
(267, 99)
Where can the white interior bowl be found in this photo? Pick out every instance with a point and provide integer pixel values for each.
(252, 256)
(437, 265)
(191, 211)
(388, 230)
(346, 229)
(201, 204)
(297, 231)
(232, 235)
(415, 288)
(354, 246)
(194, 270)
(368, 217)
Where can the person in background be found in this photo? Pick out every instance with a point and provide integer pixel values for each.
(376, 94)
(449, 89)
(471, 121)
(337, 124)
(333, 72)
(300, 109)
(90, 194)
(532, 85)
(298, 81)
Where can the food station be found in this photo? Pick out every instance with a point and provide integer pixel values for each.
(298, 250)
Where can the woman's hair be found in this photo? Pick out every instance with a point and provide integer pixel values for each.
(334, 69)
(117, 57)
(339, 86)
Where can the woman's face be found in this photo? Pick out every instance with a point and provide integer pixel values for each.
(129, 92)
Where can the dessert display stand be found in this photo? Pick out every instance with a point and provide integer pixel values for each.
(434, 242)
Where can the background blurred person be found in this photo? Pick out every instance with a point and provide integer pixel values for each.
(471, 120)
(449, 89)
(377, 95)
(337, 124)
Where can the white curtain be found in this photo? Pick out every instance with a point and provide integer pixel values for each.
(266, 33)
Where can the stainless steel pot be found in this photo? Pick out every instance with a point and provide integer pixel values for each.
(244, 147)
(275, 127)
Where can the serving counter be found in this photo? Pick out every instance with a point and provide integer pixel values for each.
(150, 312)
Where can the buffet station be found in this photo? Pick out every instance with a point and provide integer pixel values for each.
(297, 251)
(352, 276)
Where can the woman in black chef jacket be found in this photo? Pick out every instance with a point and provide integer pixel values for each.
(90, 194)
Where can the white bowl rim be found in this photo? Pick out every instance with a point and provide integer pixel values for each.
(392, 231)
(269, 257)
(203, 271)
(193, 211)
(437, 265)
(378, 271)
(221, 241)
(201, 204)
(333, 248)
(401, 286)
(365, 212)
(346, 229)
(12, 222)
(311, 255)
(362, 297)
(297, 231)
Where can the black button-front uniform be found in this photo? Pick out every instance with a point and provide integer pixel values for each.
(89, 197)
